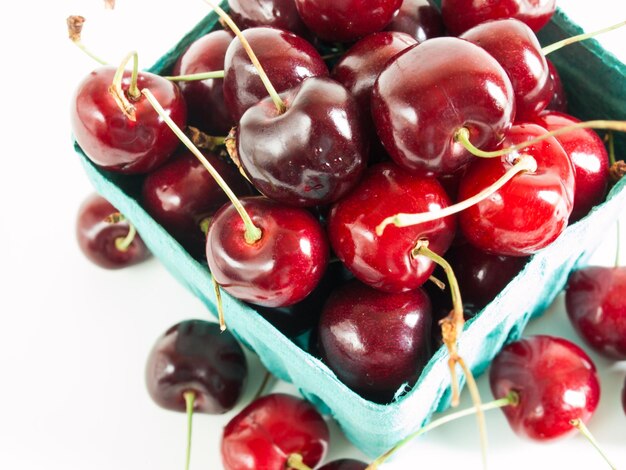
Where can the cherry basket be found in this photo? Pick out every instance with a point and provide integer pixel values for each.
(375, 427)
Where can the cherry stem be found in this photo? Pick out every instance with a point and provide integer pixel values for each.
(204, 225)
(74, 29)
(196, 76)
(122, 243)
(440, 284)
(611, 140)
(261, 388)
(525, 163)
(218, 301)
(252, 233)
(462, 136)
(295, 462)
(203, 140)
(480, 415)
(278, 102)
(578, 424)
(511, 399)
(190, 398)
(580, 37)
(133, 92)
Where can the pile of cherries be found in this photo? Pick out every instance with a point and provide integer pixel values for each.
(346, 179)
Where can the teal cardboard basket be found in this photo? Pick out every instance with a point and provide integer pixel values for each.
(374, 427)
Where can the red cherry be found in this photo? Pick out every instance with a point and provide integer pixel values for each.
(439, 87)
(109, 138)
(531, 210)
(555, 381)
(589, 157)
(98, 238)
(344, 464)
(461, 15)
(281, 14)
(386, 262)
(271, 429)
(418, 18)
(205, 98)
(346, 20)
(278, 270)
(559, 98)
(196, 356)
(375, 342)
(596, 306)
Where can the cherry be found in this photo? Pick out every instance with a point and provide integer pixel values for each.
(281, 14)
(195, 356)
(346, 20)
(517, 49)
(273, 430)
(589, 157)
(461, 15)
(439, 87)
(182, 195)
(418, 18)
(375, 342)
(287, 59)
(555, 381)
(107, 243)
(205, 98)
(386, 261)
(311, 154)
(531, 210)
(344, 464)
(114, 141)
(277, 270)
(596, 306)
(559, 98)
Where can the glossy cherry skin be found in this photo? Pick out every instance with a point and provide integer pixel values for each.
(347, 20)
(596, 306)
(313, 153)
(96, 237)
(517, 49)
(419, 19)
(385, 262)
(181, 194)
(114, 142)
(531, 210)
(270, 429)
(196, 356)
(280, 14)
(461, 15)
(344, 464)
(559, 98)
(374, 341)
(555, 380)
(281, 268)
(426, 94)
(205, 98)
(286, 58)
(589, 157)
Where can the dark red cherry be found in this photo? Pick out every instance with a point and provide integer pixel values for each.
(344, 464)
(109, 138)
(181, 195)
(595, 301)
(286, 58)
(281, 268)
(555, 380)
(280, 14)
(347, 20)
(270, 430)
(517, 49)
(205, 98)
(531, 210)
(196, 356)
(97, 238)
(313, 153)
(426, 94)
(589, 157)
(375, 342)
(418, 18)
(559, 98)
(386, 262)
(461, 15)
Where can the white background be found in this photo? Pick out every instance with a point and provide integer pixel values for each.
(74, 338)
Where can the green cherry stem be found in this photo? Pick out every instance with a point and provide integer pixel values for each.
(580, 37)
(578, 424)
(524, 164)
(196, 76)
(74, 28)
(295, 462)
(611, 141)
(510, 400)
(190, 399)
(218, 301)
(278, 102)
(252, 233)
(118, 93)
(122, 243)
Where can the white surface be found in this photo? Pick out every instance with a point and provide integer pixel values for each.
(74, 338)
